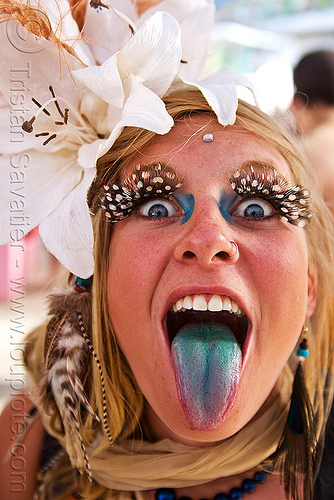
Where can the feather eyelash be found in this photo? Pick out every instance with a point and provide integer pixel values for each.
(259, 181)
(147, 181)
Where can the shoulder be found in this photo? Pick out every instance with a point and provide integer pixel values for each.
(20, 456)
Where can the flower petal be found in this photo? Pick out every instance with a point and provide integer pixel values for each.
(196, 19)
(26, 72)
(223, 100)
(107, 30)
(195, 48)
(68, 233)
(220, 92)
(32, 189)
(95, 110)
(154, 53)
(64, 26)
(87, 154)
(143, 109)
(104, 81)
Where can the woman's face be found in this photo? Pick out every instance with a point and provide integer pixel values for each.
(206, 373)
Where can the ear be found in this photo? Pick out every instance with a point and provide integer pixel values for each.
(296, 104)
(311, 292)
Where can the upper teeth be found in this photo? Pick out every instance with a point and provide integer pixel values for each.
(199, 303)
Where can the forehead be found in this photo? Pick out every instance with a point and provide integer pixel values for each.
(184, 150)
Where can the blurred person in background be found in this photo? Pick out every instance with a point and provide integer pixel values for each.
(313, 109)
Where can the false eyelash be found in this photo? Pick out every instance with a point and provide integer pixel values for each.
(292, 203)
(146, 181)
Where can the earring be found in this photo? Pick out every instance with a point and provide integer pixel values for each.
(294, 455)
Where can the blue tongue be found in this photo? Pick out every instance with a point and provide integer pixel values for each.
(207, 362)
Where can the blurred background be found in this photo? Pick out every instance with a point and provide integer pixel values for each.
(263, 39)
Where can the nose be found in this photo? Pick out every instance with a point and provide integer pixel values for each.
(207, 241)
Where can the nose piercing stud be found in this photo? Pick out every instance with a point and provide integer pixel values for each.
(236, 250)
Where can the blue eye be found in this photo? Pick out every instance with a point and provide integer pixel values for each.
(157, 209)
(254, 208)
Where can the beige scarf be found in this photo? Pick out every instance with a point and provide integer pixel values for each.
(170, 464)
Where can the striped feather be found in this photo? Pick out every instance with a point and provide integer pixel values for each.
(68, 356)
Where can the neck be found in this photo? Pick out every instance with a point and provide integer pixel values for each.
(311, 118)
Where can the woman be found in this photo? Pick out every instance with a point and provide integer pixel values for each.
(173, 366)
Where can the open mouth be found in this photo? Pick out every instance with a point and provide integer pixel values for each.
(198, 309)
(207, 335)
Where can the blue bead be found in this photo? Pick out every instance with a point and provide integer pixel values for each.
(83, 283)
(165, 494)
(220, 496)
(303, 352)
(248, 485)
(236, 494)
(260, 477)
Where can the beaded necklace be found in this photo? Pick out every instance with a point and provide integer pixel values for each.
(247, 486)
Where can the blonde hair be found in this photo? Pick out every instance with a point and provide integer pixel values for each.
(124, 398)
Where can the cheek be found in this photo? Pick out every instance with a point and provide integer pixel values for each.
(134, 262)
(280, 274)
(135, 267)
(280, 267)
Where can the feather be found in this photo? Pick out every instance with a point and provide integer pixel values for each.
(96, 358)
(295, 453)
(66, 366)
(66, 354)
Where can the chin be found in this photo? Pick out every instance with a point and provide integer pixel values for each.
(175, 426)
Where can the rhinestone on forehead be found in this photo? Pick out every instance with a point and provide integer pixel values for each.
(207, 137)
(292, 203)
(146, 181)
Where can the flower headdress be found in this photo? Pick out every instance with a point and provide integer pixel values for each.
(66, 96)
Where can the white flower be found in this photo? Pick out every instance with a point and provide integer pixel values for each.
(195, 17)
(60, 149)
(79, 108)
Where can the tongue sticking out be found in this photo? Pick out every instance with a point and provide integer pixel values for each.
(207, 363)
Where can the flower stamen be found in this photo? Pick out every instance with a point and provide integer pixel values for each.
(27, 125)
(40, 106)
(53, 136)
(56, 102)
(80, 127)
(98, 4)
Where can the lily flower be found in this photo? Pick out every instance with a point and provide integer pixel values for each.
(71, 110)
